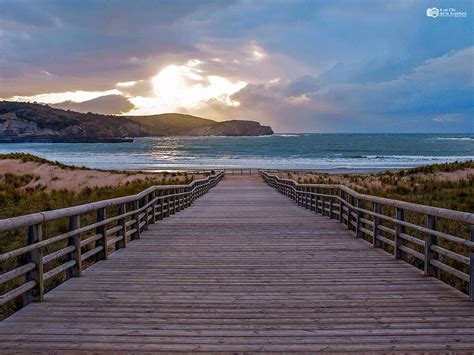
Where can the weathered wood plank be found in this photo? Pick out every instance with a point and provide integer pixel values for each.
(245, 269)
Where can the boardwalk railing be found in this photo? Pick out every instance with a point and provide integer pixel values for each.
(241, 171)
(93, 230)
(427, 237)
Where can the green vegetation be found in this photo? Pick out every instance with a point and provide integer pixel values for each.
(17, 200)
(449, 185)
(423, 185)
(433, 168)
(25, 157)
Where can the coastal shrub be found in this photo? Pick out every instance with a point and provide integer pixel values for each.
(422, 185)
(17, 200)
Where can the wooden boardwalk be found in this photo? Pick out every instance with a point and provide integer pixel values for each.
(245, 269)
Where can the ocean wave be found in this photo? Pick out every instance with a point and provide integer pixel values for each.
(417, 157)
(287, 135)
(455, 139)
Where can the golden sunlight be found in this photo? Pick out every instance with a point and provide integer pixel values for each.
(74, 96)
(185, 86)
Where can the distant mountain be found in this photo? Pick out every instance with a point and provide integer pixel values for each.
(20, 121)
(170, 124)
(176, 124)
(106, 105)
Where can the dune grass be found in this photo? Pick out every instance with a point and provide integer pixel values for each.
(449, 186)
(423, 185)
(16, 200)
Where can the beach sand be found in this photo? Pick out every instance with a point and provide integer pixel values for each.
(53, 177)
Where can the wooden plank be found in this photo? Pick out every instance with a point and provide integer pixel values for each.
(244, 269)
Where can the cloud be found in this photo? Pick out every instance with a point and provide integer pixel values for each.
(127, 84)
(108, 105)
(341, 66)
(185, 86)
(450, 117)
(72, 96)
(440, 87)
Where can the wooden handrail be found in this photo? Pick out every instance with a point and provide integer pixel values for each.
(135, 213)
(350, 207)
(40, 217)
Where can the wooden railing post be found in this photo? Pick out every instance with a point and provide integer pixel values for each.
(147, 213)
(175, 201)
(162, 203)
(185, 197)
(178, 200)
(330, 204)
(123, 223)
(340, 205)
(36, 294)
(350, 201)
(471, 267)
(136, 217)
(317, 199)
(429, 241)
(173, 198)
(357, 220)
(75, 240)
(307, 198)
(400, 215)
(377, 221)
(154, 207)
(102, 255)
(189, 196)
(323, 206)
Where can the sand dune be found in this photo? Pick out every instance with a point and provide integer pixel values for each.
(53, 177)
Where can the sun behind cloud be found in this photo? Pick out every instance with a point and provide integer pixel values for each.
(176, 87)
(185, 86)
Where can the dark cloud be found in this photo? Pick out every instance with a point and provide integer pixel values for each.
(437, 95)
(343, 65)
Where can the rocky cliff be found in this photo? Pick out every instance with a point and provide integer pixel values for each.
(31, 121)
(34, 121)
(232, 128)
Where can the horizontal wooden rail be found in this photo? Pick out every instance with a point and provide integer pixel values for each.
(82, 245)
(410, 230)
(241, 171)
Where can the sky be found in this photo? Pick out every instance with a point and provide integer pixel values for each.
(296, 65)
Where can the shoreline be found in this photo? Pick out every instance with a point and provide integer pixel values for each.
(51, 140)
(31, 176)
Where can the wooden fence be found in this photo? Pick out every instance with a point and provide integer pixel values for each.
(241, 171)
(42, 259)
(437, 240)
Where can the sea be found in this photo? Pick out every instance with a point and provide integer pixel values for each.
(325, 152)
